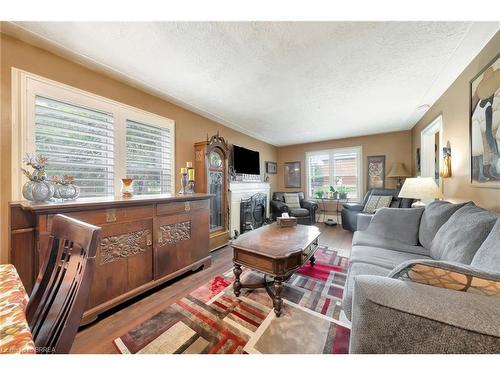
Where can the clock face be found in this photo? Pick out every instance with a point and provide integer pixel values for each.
(215, 160)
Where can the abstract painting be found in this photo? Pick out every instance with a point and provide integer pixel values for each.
(485, 126)
(376, 172)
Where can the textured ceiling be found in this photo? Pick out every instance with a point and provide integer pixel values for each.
(284, 82)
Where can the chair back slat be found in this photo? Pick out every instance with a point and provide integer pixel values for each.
(61, 290)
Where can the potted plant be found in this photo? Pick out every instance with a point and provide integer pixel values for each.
(319, 194)
(342, 191)
(333, 193)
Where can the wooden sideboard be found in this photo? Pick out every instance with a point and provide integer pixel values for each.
(146, 240)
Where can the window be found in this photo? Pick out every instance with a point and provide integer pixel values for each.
(77, 141)
(149, 158)
(97, 140)
(338, 167)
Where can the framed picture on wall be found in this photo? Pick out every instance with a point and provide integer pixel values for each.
(271, 167)
(485, 126)
(292, 174)
(375, 172)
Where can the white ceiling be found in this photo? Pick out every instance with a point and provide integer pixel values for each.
(283, 82)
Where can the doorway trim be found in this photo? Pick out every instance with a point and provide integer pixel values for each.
(427, 142)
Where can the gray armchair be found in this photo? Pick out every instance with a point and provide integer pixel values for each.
(306, 214)
(350, 211)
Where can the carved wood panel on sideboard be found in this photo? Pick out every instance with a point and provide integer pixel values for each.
(145, 241)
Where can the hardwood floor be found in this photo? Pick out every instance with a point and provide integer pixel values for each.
(98, 337)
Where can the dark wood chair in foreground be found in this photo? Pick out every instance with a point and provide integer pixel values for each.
(62, 287)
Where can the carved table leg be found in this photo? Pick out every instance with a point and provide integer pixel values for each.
(237, 283)
(278, 302)
(312, 260)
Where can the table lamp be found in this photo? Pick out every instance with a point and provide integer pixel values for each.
(398, 170)
(420, 188)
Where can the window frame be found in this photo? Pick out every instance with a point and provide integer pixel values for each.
(331, 170)
(26, 86)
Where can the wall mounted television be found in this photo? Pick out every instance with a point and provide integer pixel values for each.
(245, 161)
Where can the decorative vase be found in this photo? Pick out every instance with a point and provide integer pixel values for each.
(127, 188)
(68, 191)
(56, 195)
(38, 191)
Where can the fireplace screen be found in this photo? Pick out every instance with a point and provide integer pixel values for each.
(253, 212)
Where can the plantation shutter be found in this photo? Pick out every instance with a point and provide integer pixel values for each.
(319, 172)
(345, 168)
(149, 158)
(77, 141)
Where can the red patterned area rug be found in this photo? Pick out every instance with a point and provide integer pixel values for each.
(212, 320)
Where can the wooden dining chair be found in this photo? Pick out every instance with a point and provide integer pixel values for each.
(62, 287)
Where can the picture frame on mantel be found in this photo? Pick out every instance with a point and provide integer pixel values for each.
(483, 129)
(375, 172)
(292, 174)
(271, 167)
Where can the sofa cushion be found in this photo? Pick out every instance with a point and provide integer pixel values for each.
(377, 201)
(368, 239)
(356, 270)
(397, 223)
(292, 200)
(461, 236)
(488, 256)
(435, 215)
(299, 212)
(381, 257)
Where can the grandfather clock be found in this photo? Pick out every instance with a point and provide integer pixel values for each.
(211, 163)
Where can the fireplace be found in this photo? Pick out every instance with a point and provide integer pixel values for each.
(253, 212)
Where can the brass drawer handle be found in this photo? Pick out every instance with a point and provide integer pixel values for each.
(110, 215)
(149, 240)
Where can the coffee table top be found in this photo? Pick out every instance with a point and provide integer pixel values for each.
(275, 242)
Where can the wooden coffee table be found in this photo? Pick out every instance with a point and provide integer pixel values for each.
(277, 253)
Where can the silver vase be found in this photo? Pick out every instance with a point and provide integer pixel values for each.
(38, 191)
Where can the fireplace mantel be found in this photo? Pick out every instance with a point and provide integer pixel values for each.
(244, 190)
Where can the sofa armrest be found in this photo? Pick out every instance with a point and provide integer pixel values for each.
(279, 206)
(364, 220)
(396, 316)
(353, 206)
(309, 205)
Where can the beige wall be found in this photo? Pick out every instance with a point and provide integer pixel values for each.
(395, 146)
(190, 127)
(454, 106)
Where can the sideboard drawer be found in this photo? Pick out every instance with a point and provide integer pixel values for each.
(109, 215)
(181, 207)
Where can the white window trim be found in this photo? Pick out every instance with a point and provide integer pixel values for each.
(356, 149)
(25, 87)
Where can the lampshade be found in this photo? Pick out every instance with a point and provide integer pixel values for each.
(398, 170)
(420, 188)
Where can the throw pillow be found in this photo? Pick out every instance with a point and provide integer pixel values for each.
(461, 236)
(377, 201)
(488, 256)
(399, 224)
(292, 200)
(435, 215)
(448, 276)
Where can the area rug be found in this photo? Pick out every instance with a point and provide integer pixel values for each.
(212, 320)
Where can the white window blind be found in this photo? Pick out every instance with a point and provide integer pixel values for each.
(149, 157)
(78, 141)
(338, 167)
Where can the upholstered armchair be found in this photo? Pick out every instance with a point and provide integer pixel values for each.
(306, 214)
(351, 211)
